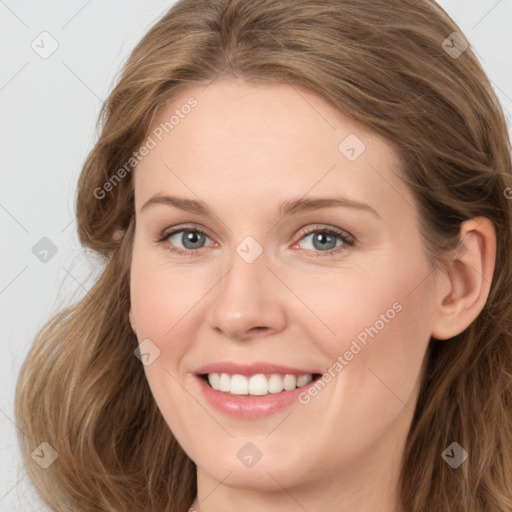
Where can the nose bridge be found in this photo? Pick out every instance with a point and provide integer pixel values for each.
(245, 297)
(247, 275)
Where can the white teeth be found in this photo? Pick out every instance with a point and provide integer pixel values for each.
(214, 380)
(239, 385)
(289, 382)
(275, 383)
(258, 384)
(302, 380)
(224, 382)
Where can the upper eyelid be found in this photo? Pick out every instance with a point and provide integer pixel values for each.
(177, 229)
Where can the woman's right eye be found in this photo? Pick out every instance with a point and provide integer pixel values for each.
(192, 237)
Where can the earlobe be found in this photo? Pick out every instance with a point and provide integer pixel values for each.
(118, 235)
(469, 278)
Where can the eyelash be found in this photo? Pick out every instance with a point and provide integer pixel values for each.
(347, 240)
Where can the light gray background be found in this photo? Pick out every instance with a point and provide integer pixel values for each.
(48, 111)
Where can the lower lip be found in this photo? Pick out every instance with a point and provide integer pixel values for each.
(249, 406)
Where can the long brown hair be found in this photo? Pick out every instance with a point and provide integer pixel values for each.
(396, 67)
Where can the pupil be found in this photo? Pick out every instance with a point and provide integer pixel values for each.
(192, 237)
(321, 239)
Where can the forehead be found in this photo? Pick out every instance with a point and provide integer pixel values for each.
(234, 138)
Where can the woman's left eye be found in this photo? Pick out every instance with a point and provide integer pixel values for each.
(322, 237)
(325, 237)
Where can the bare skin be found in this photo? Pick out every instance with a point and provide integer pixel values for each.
(243, 151)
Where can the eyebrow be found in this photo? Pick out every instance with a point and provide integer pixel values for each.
(292, 207)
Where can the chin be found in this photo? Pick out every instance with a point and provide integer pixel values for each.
(273, 471)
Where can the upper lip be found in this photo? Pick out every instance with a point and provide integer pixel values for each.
(250, 369)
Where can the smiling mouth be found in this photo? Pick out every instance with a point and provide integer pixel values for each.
(259, 384)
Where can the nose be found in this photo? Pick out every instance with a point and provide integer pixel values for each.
(248, 301)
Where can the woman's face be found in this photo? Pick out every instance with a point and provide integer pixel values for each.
(274, 280)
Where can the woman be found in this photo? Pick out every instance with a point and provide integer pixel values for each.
(227, 358)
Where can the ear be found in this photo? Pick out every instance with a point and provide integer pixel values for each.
(467, 281)
(132, 320)
(118, 234)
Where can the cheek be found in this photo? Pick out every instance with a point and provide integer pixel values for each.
(378, 322)
(358, 306)
(160, 299)
(381, 325)
(161, 296)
